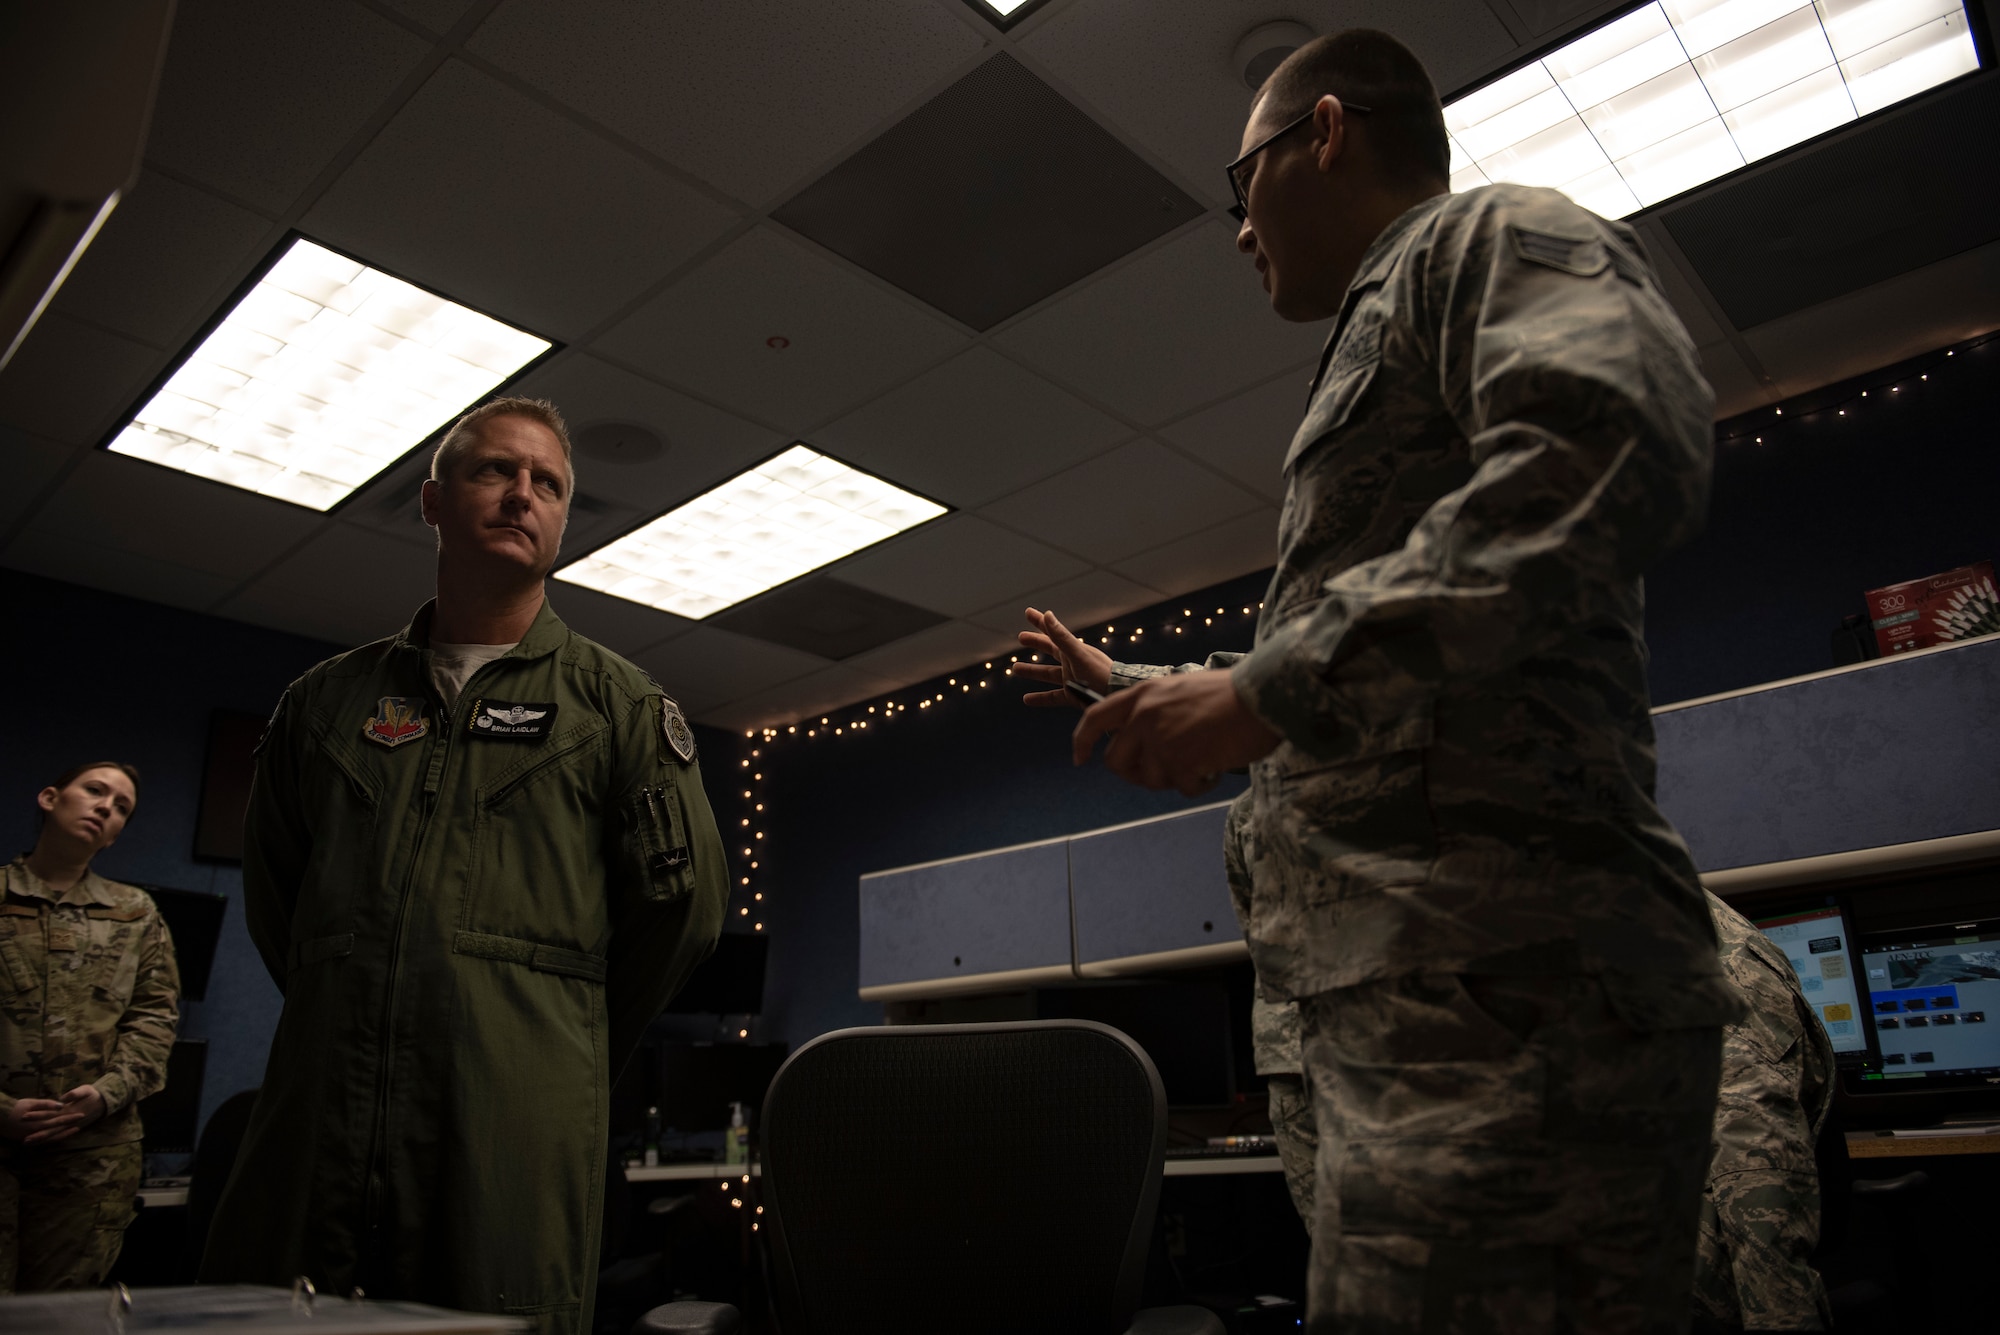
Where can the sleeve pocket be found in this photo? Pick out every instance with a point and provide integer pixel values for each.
(666, 862)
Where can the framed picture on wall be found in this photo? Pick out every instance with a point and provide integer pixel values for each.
(225, 785)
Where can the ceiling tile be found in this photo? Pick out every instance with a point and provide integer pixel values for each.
(70, 381)
(437, 15)
(157, 514)
(809, 697)
(1079, 602)
(708, 667)
(995, 194)
(499, 202)
(1680, 293)
(1736, 389)
(975, 428)
(1883, 323)
(348, 584)
(1232, 548)
(82, 558)
(844, 339)
(31, 464)
(620, 625)
(167, 258)
(1130, 500)
(258, 97)
(1246, 437)
(753, 96)
(958, 564)
(1183, 326)
(1163, 73)
(935, 652)
(704, 445)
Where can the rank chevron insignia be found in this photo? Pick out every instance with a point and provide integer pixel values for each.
(398, 719)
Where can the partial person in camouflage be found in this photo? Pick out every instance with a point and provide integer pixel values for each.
(1760, 1207)
(1274, 1040)
(1509, 998)
(89, 999)
(1760, 1213)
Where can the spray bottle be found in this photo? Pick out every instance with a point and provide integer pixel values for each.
(736, 1141)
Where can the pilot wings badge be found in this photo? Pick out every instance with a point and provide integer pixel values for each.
(503, 720)
(398, 719)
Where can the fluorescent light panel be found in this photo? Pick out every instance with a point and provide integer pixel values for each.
(1679, 92)
(322, 375)
(787, 516)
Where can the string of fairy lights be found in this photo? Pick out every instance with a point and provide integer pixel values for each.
(858, 721)
(1764, 424)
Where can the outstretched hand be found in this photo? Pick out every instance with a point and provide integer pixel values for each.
(1070, 659)
(1177, 732)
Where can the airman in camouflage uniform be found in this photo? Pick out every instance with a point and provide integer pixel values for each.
(89, 994)
(1274, 1044)
(1760, 1213)
(1760, 1208)
(1509, 998)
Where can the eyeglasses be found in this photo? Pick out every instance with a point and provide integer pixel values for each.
(1239, 170)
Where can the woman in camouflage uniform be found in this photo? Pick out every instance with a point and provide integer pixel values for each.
(89, 997)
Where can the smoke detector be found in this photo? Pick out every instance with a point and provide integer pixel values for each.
(1265, 47)
(618, 443)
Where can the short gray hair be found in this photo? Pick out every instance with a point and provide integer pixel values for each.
(466, 430)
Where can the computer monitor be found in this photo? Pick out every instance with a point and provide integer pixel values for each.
(1932, 991)
(1818, 938)
(172, 1117)
(728, 982)
(698, 1081)
(194, 917)
(1184, 1027)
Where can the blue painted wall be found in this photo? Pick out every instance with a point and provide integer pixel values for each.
(93, 676)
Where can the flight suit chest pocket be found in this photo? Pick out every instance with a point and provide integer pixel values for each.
(661, 838)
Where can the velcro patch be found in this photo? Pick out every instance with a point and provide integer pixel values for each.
(674, 726)
(507, 721)
(1582, 257)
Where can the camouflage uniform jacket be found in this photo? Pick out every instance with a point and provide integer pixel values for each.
(473, 913)
(1763, 1183)
(89, 995)
(1507, 427)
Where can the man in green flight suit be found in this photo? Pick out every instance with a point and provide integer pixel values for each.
(477, 861)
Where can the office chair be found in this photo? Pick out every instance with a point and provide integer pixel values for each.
(974, 1178)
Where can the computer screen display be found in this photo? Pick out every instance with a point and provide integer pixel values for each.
(1931, 990)
(1184, 1027)
(728, 982)
(1820, 947)
(172, 1116)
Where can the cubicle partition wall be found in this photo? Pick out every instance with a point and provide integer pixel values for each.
(1884, 767)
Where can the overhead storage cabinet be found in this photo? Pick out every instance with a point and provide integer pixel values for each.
(984, 922)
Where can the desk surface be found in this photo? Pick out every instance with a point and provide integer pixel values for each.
(700, 1172)
(1889, 1145)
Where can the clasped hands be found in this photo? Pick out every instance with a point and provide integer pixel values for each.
(41, 1121)
(1177, 732)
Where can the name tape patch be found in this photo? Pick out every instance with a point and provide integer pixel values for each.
(507, 721)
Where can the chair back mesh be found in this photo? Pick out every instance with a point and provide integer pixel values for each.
(970, 1178)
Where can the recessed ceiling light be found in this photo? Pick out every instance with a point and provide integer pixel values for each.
(791, 514)
(321, 375)
(1676, 93)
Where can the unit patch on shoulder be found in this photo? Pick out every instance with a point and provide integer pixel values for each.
(398, 719)
(503, 720)
(675, 725)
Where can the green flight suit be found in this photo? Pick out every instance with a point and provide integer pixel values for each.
(473, 914)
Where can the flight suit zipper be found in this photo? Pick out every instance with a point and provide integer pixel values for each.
(436, 761)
